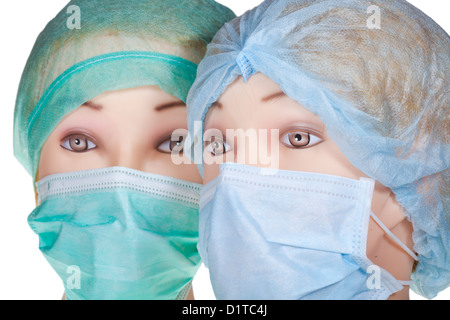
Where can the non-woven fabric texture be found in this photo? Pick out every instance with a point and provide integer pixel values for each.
(377, 75)
(93, 46)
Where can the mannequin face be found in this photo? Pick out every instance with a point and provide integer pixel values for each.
(260, 104)
(129, 128)
(303, 145)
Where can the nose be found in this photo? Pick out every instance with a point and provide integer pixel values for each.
(258, 147)
(129, 156)
(247, 147)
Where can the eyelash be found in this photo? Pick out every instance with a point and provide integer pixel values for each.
(168, 145)
(211, 146)
(286, 140)
(89, 144)
(311, 139)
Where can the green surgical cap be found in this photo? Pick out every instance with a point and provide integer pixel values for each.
(93, 46)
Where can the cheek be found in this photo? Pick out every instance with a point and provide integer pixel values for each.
(210, 172)
(161, 163)
(324, 158)
(300, 160)
(46, 160)
(189, 172)
(54, 159)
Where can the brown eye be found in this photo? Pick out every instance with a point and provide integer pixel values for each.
(300, 139)
(169, 145)
(217, 146)
(177, 145)
(78, 143)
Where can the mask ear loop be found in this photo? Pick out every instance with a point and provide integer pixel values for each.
(399, 242)
(394, 237)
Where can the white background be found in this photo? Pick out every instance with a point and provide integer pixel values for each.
(24, 273)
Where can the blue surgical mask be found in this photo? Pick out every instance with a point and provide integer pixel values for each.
(289, 235)
(118, 233)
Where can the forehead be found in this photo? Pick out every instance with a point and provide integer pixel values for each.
(152, 93)
(147, 105)
(258, 103)
(257, 86)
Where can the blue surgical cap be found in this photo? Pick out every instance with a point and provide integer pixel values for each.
(376, 73)
(93, 46)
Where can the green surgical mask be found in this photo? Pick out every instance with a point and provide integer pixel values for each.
(119, 234)
(121, 242)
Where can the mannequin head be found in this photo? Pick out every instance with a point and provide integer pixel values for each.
(129, 128)
(378, 115)
(109, 93)
(256, 104)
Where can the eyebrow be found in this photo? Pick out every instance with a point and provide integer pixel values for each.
(170, 105)
(274, 96)
(92, 105)
(217, 104)
(269, 98)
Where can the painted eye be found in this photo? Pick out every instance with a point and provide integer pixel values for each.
(217, 147)
(78, 143)
(300, 139)
(169, 145)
